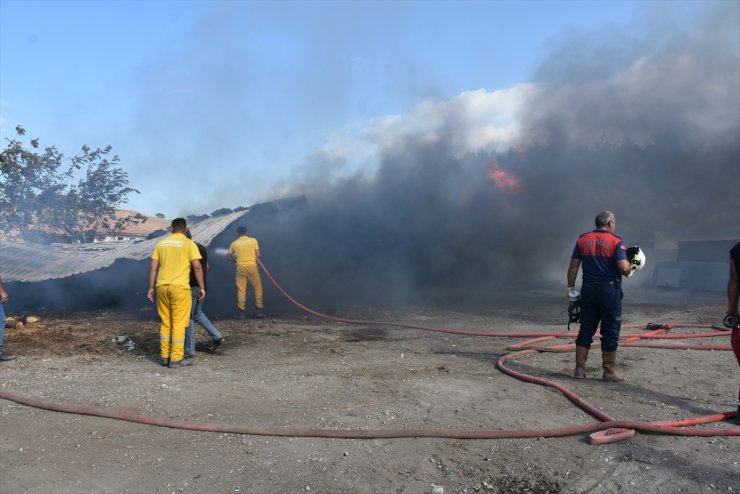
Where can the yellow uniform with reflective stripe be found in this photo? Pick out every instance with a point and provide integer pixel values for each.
(174, 255)
(245, 249)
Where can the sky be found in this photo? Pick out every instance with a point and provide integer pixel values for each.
(214, 104)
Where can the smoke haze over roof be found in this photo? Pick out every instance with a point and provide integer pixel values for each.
(440, 207)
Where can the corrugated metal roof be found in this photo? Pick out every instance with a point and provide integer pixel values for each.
(25, 261)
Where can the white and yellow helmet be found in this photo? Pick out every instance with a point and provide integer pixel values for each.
(636, 257)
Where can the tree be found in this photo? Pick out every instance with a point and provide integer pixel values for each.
(96, 198)
(30, 179)
(36, 195)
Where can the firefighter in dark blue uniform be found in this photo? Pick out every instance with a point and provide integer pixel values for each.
(604, 261)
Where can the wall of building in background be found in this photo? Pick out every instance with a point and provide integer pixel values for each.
(701, 265)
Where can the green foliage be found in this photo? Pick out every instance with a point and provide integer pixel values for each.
(103, 190)
(31, 178)
(37, 196)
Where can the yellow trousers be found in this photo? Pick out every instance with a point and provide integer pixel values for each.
(173, 304)
(246, 274)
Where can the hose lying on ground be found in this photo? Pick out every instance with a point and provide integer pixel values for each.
(662, 427)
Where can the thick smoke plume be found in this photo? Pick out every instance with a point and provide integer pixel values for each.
(485, 193)
(651, 132)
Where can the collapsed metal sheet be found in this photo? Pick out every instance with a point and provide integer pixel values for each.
(30, 262)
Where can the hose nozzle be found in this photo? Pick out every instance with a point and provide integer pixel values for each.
(574, 312)
(652, 325)
(730, 321)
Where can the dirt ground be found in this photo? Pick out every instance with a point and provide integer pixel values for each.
(297, 371)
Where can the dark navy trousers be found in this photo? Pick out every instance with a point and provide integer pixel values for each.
(601, 303)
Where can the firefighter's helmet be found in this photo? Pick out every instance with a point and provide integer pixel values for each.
(636, 257)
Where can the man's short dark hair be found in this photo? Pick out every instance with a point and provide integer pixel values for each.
(179, 225)
(241, 230)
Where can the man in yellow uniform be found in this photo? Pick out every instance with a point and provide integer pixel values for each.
(244, 251)
(172, 260)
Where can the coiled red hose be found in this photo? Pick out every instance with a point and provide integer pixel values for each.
(608, 430)
(630, 340)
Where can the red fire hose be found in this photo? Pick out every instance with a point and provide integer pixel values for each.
(666, 428)
(606, 431)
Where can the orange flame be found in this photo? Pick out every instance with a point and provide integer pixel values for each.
(503, 180)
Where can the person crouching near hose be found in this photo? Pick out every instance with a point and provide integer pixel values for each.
(732, 316)
(604, 261)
